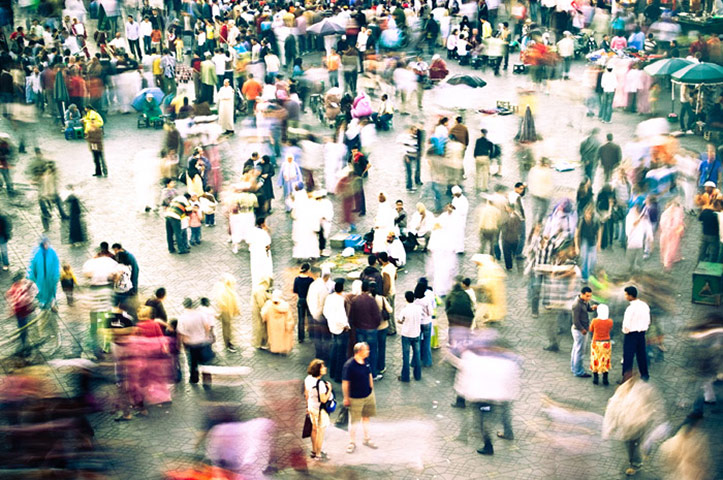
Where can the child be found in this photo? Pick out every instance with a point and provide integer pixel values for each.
(68, 282)
(194, 221)
(174, 350)
(410, 321)
(208, 207)
(20, 297)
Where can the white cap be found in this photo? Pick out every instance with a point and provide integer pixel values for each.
(456, 190)
(709, 183)
(325, 270)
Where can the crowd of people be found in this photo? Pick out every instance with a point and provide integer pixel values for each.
(227, 68)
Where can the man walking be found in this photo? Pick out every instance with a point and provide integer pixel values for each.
(365, 317)
(580, 326)
(319, 289)
(389, 287)
(635, 323)
(589, 152)
(336, 317)
(608, 83)
(176, 210)
(610, 155)
(482, 154)
(133, 34)
(195, 333)
(358, 388)
(301, 289)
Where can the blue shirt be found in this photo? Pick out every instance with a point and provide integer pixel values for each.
(636, 40)
(708, 171)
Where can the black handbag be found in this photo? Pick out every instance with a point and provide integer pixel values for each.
(342, 420)
(306, 432)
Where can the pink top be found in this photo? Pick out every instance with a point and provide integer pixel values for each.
(194, 219)
(618, 43)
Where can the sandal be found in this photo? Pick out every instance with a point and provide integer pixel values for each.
(369, 443)
(351, 447)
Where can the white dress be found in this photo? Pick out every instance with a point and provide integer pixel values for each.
(261, 262)
(305, 227)
(383, 224)
(459, 221)
(225, 108)
(442, 262)
(242, 223)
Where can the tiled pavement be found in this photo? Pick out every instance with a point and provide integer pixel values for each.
(416, 429)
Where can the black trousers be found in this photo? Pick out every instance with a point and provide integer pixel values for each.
(634, 346)
(100, 167)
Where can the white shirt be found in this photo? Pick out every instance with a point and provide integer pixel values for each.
(335, 313)
(273, 64)
(318, 291)
(117, 43)
(146, 28)
(637, 317)
(638, 234)
(220, 61)
(100, 269)
(132, 31)
(312, 393)
(193, 325)
(609, 82)
(410, 319)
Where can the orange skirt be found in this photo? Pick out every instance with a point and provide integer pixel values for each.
(600, 356)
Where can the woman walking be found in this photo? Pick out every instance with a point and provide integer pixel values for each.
(316, 392)
(228, 306)
(600, 349)
(672, 226)
(76, 227)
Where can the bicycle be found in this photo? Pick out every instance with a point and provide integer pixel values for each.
(42, 335)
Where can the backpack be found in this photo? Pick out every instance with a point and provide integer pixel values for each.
(496, 151)
(330, 404)
(123, 284)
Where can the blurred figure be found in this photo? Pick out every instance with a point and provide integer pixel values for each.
(195, 333)
(687, 454)
(279, 321)
(631, 415)
(228, 307)
(672, 228)
(44, 271)
(260, 294)
(21, 299)
(460, 315)
(488, 376)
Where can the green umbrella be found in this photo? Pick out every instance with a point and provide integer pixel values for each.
(666, 66)
(699, 73)
(60, 91)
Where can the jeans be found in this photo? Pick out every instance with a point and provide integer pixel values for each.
(488, 240)
(588, 257)
(173, 229)
(147, 44)
(534, 287)
(338, 355)
(350, 81)
(302, 312)
(410, 162)
(359, 199)
(508, 250)
(321, 336)
(606, 106)
(539, 208)
(9, 182)
(382, 350)
(370, 338)
(195, 358)
(503, 409)
(578, 348)
(210, 219)
(425, 346)
(195, 235)
(333, 78)
(135, 46)
(635, 258)
(708, 243)
(437, 196)
(634, 346)
(4, 259)
(686, 109)
(413, 344)
(100, 166)
(22, 321)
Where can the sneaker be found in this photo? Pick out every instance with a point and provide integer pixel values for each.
(689, 132)
(231, 349)
(378, 377)
(584, 375)
(551, 348)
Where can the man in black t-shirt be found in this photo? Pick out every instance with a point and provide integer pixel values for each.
(358, 387)
(301, 288)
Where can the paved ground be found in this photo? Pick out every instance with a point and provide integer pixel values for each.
(417, 430)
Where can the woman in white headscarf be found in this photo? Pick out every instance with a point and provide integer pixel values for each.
(443, 261)
(305, 228)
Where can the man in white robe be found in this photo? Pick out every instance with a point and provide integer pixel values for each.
(225, 99)
(260, 247)
(383, 223)
(324, 210)
(459, 218)
(305, 229)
